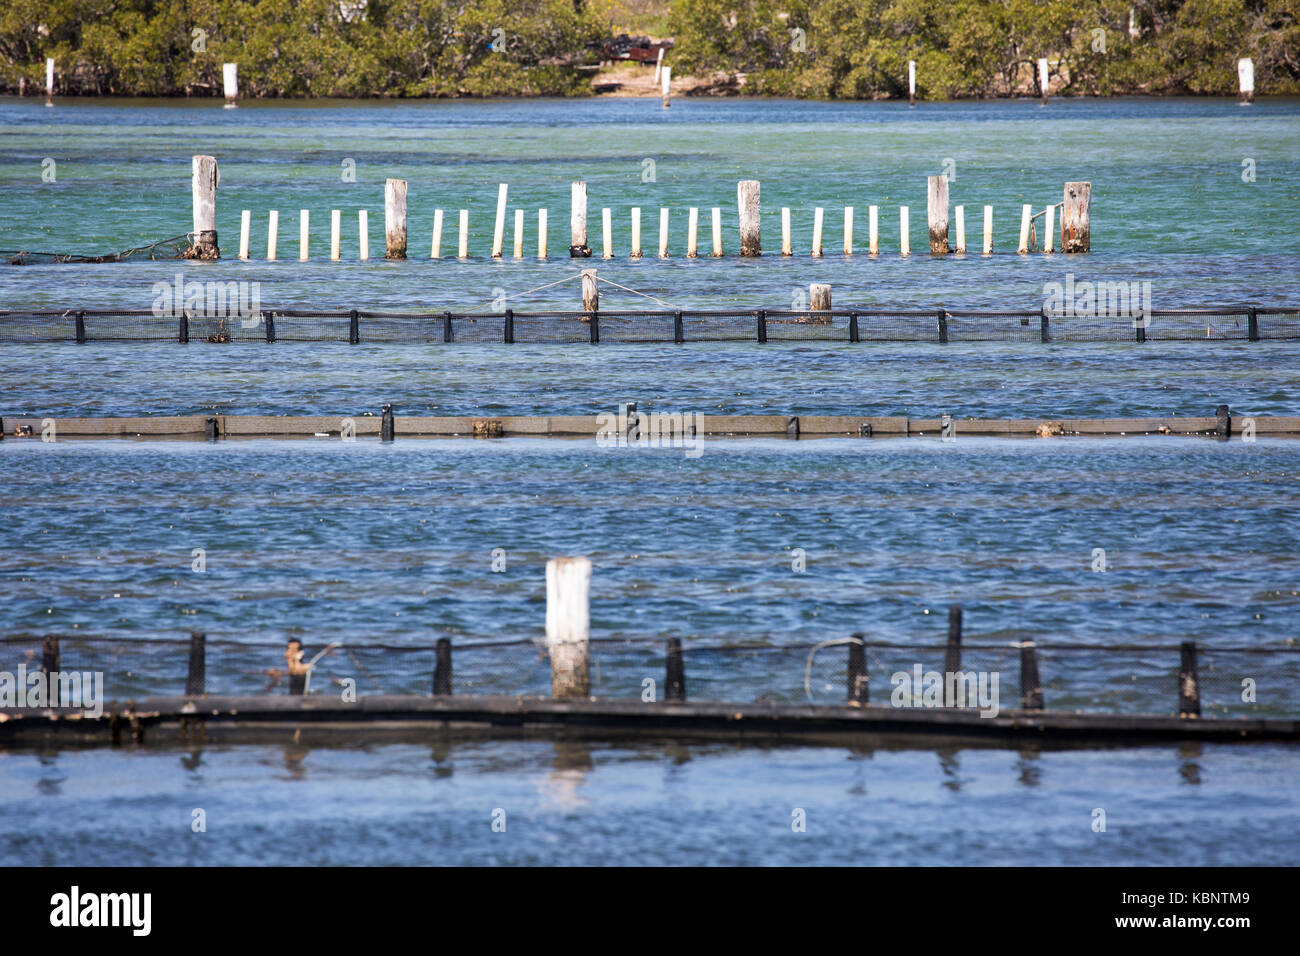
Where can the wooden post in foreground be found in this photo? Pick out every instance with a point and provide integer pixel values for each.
(462, 241)
(272, 234)
(606, 233)
(363, 234)
(568, 584)
(1049, 227)
(204, 187)
(858, 679)
(435, 250)
(245, 225)
(636, 232)
(848, 230)
(541, 233)
(196, 678)
(590, 291)
(747, 202)
(675, 671)
(297, 667)
(952, 654)
(717, 232)
(959, 214)
(230, 80)
(1246, 79)
(304, 222)
(395, 219)
(873, 230)
(819, 300)
(988, 230)
(50, 667)
(578, 248)
(499, 224)
(663, 232)
(1031, 688)
(693, 233)
(1189, 690)
(786, 248)
(819, 217)
(442, 668)
(904, 231)
(519, 233)
(336, 223)
(1076, 226)
(936, 214)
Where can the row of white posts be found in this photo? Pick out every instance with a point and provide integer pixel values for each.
(1074, 224)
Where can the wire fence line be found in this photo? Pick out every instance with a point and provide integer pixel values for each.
(508, 326)
(1128, 678)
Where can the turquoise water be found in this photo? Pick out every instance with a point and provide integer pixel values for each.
(368, 544)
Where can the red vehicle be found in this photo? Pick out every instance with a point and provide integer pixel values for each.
(637, 49)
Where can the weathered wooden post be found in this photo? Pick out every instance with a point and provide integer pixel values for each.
(663, 232)
(819, 300)
(1031, 689)
(442, 668)
(304, 238)
(499, 224)
(1049, 227)
(988, 230)
(848, 230)
(747, 202)
(636, 232)
(230, 80)
(297, 667)
(1246, 79)
(1223, 422)
(541, 233)
(786, 248)
(606, 233)
(717, 232)
(667, 84)
(568, 583)
(857, 678)
(675, 671)
(435, 249)
(693, 233)
(936, 214)
(590, 292)
(50, 668)
(49, 81)
(818, 220)
(904, 231)
(387, 426)
(578, 248)
(519, 234)
(395, 219)
(363, 234)
(245, 226)
(336, 225)
(1025, 215)
(1076, 228)
(1189, 686)
(462, 242)
(873, 230)
(952, 655)
(1043, 77)
(911, 82)
(204, 187)
(272, 230)
(197, 675)
(959, 214)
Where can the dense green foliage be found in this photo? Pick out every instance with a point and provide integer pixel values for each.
(817, 48)
(302, 47)
(860, 48)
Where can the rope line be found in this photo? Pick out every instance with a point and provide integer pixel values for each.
(576, 275)
(600, 279)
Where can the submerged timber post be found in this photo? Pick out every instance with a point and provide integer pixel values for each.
(1189, 688)
(363, 234)
(663, 232)
(499, 225)
(204, 187)
(717, 232)
(462, 241)
(848, 230)
(519, 234)
(952, 654)
(336, 223)
(1076, 224)
(988, 230)
(606, 233)
(541, 233)
(1031, 688)
(245, 226)
(230, 80)
(272, 233)
(196, 677)
(675, 671)
(693, 233)
(750, 231)
(1026, 213)
(819, 217)
(1049, 227)
(959, 214)
(858, 680)
(297, 667)
(568, 584)
(819, 300)
(1246, 79)
(442, 668)
(786, 248)
(590, 292)
(50, 667)
(578, 248)
(904, 231)
(936, 214)
(395, 219)
(873, 230)
(636, 232)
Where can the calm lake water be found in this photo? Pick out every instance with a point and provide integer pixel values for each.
(367, 544)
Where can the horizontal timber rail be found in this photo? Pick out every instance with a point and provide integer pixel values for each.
(1245, 323)
(632, 428)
